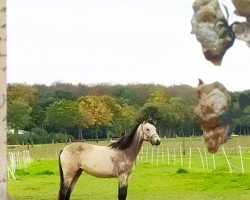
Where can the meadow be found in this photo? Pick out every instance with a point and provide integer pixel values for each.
(165, 176)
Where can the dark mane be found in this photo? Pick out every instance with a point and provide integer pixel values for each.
(125, 141)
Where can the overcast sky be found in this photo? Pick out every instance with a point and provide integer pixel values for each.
(115, 41)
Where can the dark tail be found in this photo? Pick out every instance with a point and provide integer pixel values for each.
(61, 196)
(66, 188)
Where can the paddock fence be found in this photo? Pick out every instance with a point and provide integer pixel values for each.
(236, 159)
(189, 153)
(19, 159)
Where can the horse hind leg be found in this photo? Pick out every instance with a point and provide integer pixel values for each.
(72, 183)
(62, 191)
(67, 187)
(68, 179)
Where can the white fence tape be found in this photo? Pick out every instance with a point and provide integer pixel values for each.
(17, 160)
(232, 159)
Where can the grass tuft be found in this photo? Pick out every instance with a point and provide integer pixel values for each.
(182, 171)
(46, 172)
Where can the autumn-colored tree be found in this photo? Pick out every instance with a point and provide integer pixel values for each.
(115, 127)
(172, 107)
(95, 112)
(21, 91)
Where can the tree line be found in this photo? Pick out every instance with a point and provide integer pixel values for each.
(65, 112)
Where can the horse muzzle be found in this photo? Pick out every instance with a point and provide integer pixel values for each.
(155, 141)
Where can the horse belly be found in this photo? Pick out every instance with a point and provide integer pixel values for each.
(99, 165)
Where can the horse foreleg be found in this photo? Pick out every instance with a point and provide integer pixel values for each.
(122, 186)
(122, 194)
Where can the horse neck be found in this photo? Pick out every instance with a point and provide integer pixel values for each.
(136, 144)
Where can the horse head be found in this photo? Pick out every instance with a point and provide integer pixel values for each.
(150, 134)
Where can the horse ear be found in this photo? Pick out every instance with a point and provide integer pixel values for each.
(200, 82)
(151, 121)
(147, 120)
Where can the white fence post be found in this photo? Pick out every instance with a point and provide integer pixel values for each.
(12, 162)
(142, 150)
(162, 155)
(202, 161)
(11, 173)
(157, 156)
(206, 158)
(181, 156)
(214, 161)
(241, 160)
(17, 159)
(190, 157)
(174, 156)
(152, 155)
(229, 165)
(168, 155)
(147, 154)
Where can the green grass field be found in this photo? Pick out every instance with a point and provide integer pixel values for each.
(149, 181)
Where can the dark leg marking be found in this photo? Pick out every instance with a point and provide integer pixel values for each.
(122, 193)
(73, 182)
(62, 194)
(67, 186)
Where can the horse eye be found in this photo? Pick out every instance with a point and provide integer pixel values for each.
(147, 129)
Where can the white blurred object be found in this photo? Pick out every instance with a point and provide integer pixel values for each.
(212, 110)
(242, 30)
(242, 8)
(212, 30)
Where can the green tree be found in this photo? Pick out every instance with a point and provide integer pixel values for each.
(62, 114)
(18, 114)
(129, 116)
(159, 96)
(177, 110)
(38, 115)
(156, 108)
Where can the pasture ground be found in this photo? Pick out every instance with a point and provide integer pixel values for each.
(149, 181)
